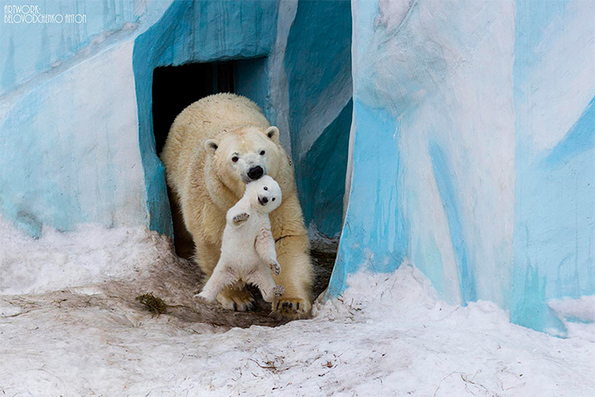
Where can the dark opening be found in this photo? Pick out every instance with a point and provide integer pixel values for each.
(176, 87)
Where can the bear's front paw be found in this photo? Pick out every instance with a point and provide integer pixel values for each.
(239, 218)
(275, 267)
(292, 308)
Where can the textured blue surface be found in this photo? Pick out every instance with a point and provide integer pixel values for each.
(62, 162)
(554, 229)
(452, 206)
(318, 64)
(473, 155)
(375, 231)
(67, 156)
(323, 175)
(43, 47)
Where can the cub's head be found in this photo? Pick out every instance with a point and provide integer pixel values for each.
(264, 194)
(245, 154)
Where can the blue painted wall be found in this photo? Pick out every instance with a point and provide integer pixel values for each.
(473, 150)
(77, 143)
(28, 49)
(69, 142)
(471, 154)
(318, 68)
(554, 229)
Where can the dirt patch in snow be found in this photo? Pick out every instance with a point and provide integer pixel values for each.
(174, 280)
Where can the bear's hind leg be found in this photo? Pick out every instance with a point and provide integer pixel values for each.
(206, 256)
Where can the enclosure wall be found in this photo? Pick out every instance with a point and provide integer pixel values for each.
(472, 150)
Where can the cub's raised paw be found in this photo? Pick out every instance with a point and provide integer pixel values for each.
(291, 308)
(239, 300)
(275, 267)
(239, 218)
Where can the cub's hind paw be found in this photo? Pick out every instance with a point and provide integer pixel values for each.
(273, 293)
(278, 290)
(202, 297)
(239, 218)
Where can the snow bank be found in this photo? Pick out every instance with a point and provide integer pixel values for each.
(578, 315)
(91, 254)
(387, 335)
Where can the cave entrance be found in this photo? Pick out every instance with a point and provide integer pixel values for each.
(176, 87)
(293, 60)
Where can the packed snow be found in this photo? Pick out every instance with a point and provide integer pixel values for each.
(69, 325)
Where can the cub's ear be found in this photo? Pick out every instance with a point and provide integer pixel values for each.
(273, 133)
(211, 146)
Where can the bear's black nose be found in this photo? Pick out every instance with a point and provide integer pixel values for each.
(255, 172)
(265, 200)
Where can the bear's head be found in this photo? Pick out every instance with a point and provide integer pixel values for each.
(264, 194)
(245, 155)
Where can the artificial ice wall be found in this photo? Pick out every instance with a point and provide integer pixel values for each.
(472, 150)
(76, 123)
(471, 153)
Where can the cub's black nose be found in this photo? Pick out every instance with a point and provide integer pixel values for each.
(255, 172)
(265, 200)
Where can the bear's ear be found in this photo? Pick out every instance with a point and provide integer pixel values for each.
(273, 133)
(211, 146)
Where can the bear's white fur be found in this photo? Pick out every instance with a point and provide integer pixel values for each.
(248, 248)
(206, 182)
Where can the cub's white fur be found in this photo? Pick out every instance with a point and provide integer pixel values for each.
(248, 248)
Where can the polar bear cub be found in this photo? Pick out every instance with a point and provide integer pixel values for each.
(248, 247)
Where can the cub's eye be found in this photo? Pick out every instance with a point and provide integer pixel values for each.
(273, 199)
(235, 159)
(262, 152)
(265, 188)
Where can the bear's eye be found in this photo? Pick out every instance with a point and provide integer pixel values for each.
(235, 159)
(265, 188)
(262, 152)
(273, 199)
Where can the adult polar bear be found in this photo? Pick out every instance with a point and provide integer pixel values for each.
(214, 147)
